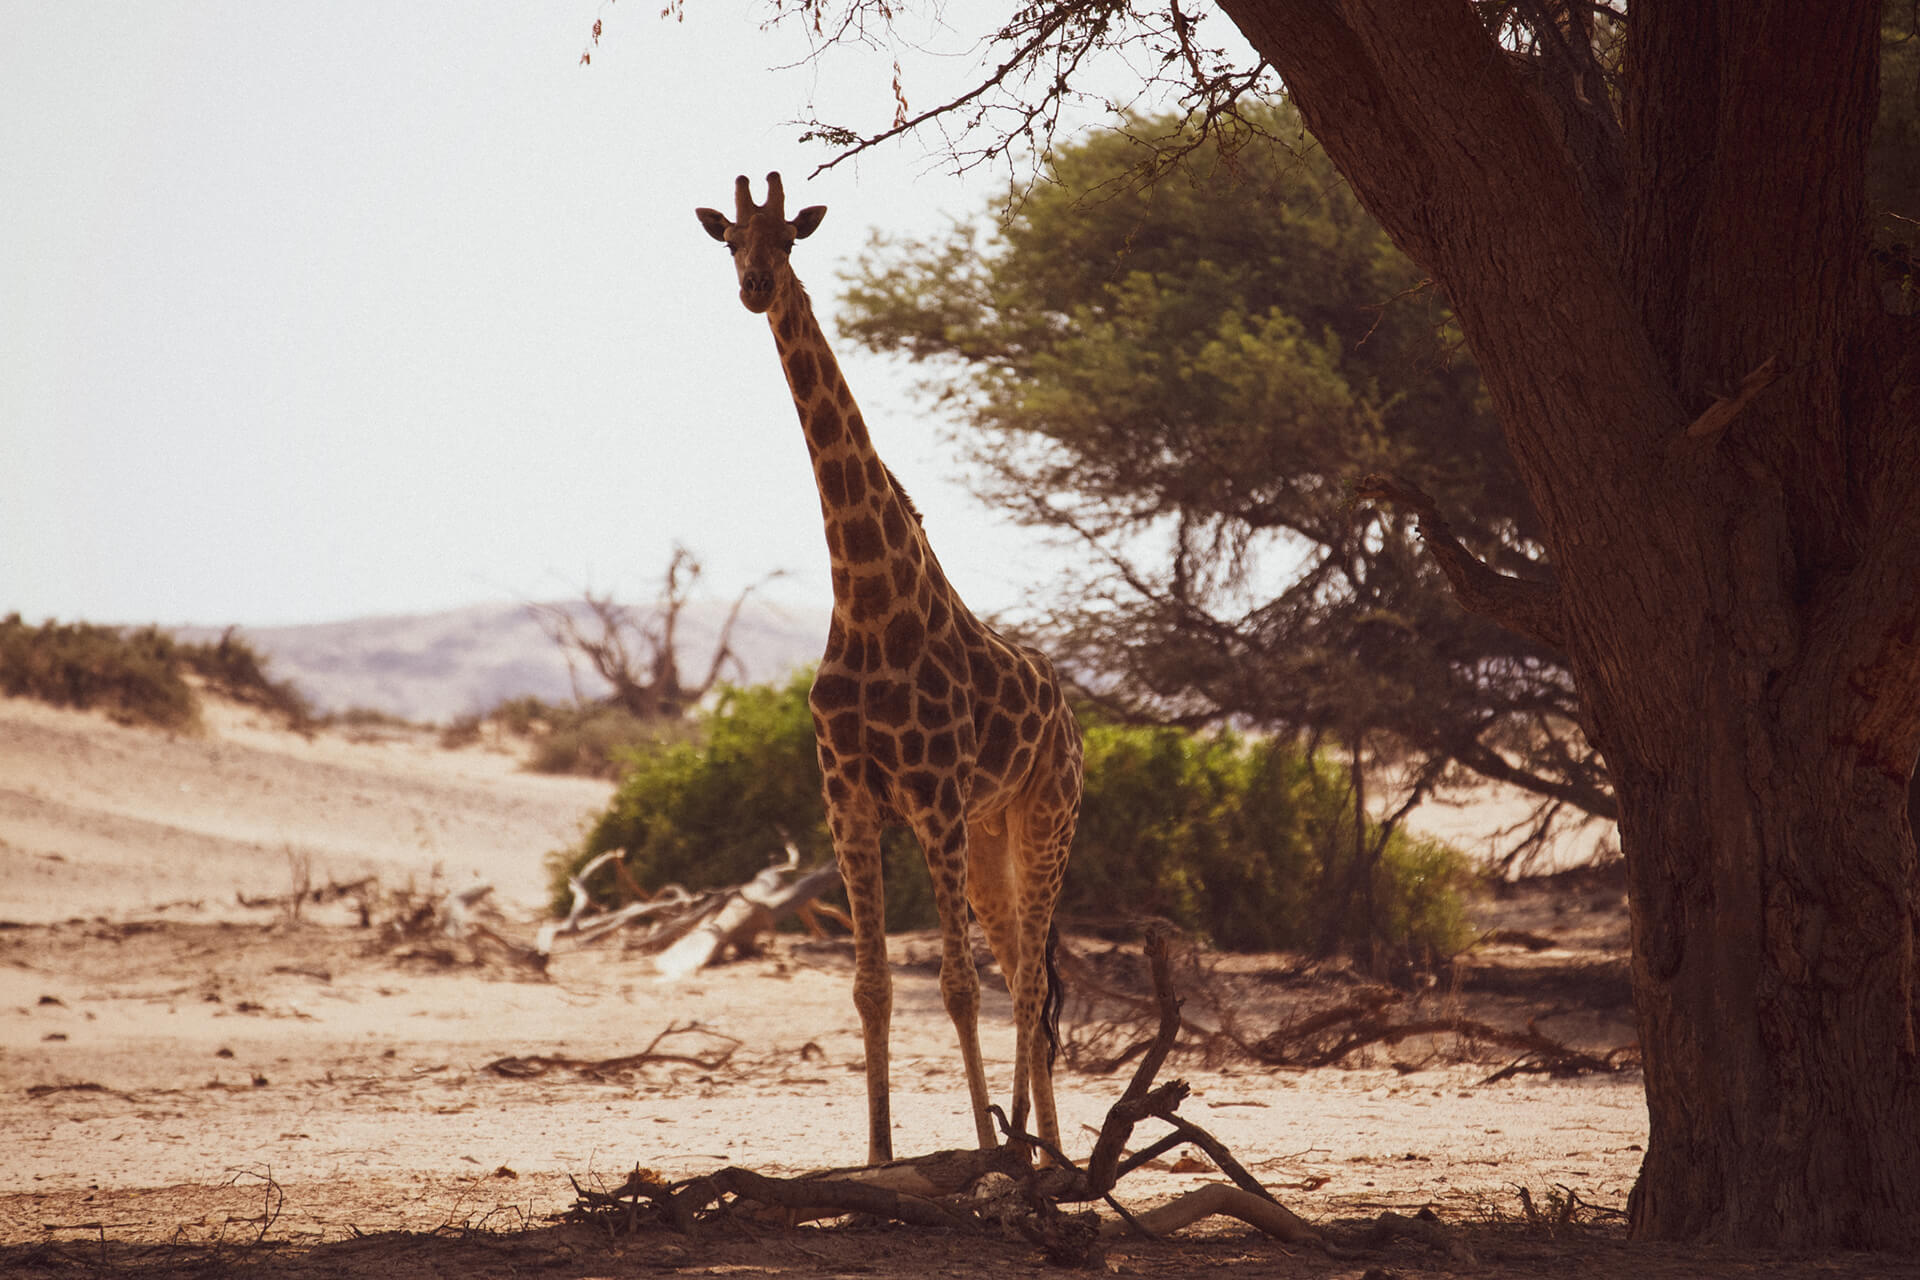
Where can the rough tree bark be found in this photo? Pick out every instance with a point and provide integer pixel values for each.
(1740, 602)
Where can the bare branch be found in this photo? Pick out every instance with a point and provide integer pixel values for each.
(1720, 414)
(1530, 608)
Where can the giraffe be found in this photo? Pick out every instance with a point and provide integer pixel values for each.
(923, 716)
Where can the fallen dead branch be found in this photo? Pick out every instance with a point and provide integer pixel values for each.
(452, 929)
(361, 889)
(1104, 1042)
(996, 1190)
(689, 931)
(746, 914)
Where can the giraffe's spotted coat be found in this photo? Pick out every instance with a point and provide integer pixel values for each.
(924, 715)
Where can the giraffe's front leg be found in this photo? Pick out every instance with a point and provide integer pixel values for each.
(856, 844)
(945, 844)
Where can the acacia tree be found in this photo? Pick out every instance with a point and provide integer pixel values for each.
(1654, 228)
(1187, 372)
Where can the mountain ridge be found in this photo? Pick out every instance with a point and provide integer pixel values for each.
(438, 666)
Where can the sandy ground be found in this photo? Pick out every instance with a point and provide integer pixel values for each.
(189, 1085)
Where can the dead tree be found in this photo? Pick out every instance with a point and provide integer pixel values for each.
(638, 657)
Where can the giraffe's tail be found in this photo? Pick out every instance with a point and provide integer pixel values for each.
(1056, 995)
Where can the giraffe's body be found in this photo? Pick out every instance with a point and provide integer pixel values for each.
(925, 716)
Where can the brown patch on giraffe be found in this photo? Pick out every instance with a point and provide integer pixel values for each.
(903, 638)
(931, 713)
(950, 657)
(922, 786)
(832, 691)
(913, 747)
(890, 702)
(896, 522)
(986, 679)
(827, 431)
(860, 540)
(1013, 700)
(932, 681)
(943, 749)
(856, 482)
(801, 373)
(843, 731)
(996, 745)
(833, 482)
(871, 594)
(1022, 760)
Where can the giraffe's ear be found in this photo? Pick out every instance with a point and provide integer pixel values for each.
(807, 219)
(714, 221)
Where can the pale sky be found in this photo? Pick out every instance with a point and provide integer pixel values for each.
(311, 311)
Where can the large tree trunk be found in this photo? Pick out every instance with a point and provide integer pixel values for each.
(1718, 425)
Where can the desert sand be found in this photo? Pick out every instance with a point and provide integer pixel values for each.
(188, 1083)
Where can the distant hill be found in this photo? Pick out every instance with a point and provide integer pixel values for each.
(438, 666)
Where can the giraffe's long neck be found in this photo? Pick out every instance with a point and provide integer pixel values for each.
(880, 559)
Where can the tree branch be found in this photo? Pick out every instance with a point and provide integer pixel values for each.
(1531, 609)
(1719, 415)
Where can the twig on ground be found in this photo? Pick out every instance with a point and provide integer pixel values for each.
(530, 1066)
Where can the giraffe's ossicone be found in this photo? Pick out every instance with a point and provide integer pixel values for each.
(925, 716)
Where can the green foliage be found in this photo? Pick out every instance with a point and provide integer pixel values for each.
(1185, 350)
(138, 675)
(1247, 843)
(134, 676)
(1240, 841)
(593, 739)
(1233, 335)
(714, 811)
(235, 668)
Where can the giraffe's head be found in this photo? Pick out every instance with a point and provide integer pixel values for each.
(760, 238)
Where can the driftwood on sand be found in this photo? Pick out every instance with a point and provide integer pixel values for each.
(999, 1191)
(687, 931)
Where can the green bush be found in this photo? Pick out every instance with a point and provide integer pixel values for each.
(137, 676)
(1240, 841)
(235, 668)
(1207, 831)
(597, 740)
(134, 676)
(712, 812)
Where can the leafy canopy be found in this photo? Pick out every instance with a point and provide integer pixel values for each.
(1187, 371)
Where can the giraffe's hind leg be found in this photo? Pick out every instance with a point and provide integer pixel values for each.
(1015, 907)
(945, 845)
(990, 888)
(1039, 892)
